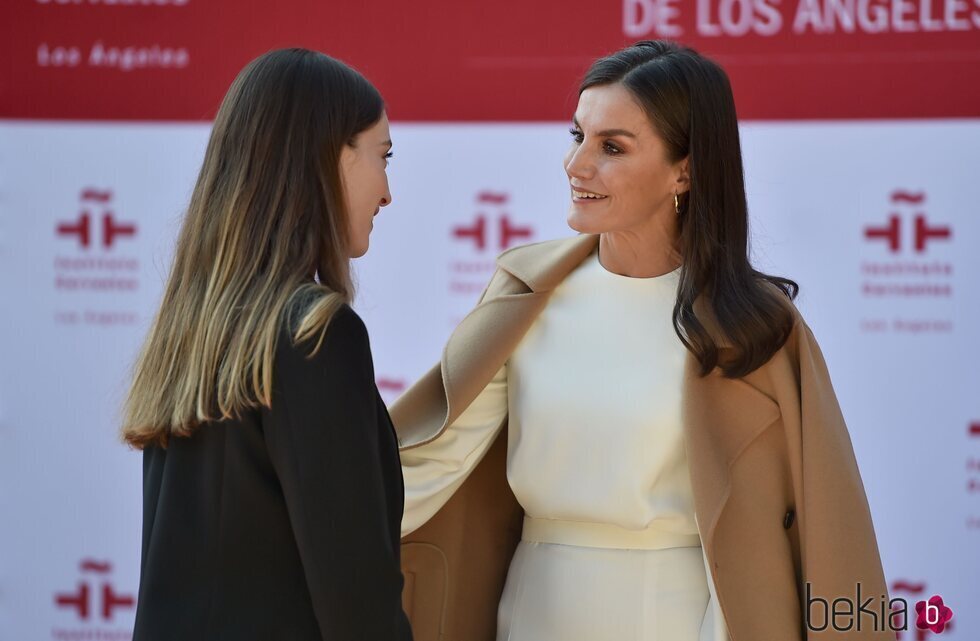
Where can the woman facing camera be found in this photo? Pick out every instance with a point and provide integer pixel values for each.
(271, 478)
(634, 435)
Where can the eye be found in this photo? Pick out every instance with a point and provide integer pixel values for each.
(576, 135)
(612, 149)
(389, 156)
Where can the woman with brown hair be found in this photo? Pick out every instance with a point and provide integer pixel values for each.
(634, 436)
(271, 479)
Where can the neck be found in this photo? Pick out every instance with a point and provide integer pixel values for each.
(638, 256)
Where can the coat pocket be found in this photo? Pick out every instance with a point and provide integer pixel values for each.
(424, 596)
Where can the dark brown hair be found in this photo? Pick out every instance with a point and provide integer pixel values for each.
(689, 101)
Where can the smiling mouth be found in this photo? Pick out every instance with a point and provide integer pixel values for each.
(583, 196)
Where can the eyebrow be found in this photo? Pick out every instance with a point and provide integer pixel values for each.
(608, 132)
(386, 142)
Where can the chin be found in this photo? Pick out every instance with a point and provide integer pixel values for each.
(581, 223)
(359, 250)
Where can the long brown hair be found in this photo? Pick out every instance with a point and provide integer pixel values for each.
(266, 216)
(688, 98)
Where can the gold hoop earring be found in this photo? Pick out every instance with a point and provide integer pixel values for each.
(677, 204)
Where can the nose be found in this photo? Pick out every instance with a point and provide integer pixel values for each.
(386, 199)
(578, 163)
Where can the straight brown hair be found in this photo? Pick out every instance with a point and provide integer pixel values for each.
(263, 245)
(689, 101)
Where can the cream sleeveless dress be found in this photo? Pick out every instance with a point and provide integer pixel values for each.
(610, 549)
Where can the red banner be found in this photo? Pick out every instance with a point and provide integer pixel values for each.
(501, 60)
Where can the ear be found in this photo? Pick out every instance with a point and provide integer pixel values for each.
(682, 182)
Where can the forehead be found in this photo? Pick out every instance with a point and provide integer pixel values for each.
(378, 129)
(611, 107)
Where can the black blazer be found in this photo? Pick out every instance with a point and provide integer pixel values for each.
(284, 524)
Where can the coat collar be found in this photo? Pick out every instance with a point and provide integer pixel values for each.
(543, 266)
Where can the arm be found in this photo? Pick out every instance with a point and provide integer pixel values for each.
(323, 438)
(434, 471)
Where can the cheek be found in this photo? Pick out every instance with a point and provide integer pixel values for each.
(616, 179)
(358, 190)
(373, 181)
(355, 202)
(630, 187)
(628, 182)
(351, 181)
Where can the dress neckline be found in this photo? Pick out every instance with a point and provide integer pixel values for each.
(612, 276)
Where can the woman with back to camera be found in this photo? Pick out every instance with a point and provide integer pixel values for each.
(673, 464)
(271, 478)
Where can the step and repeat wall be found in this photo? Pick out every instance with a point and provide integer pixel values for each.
(860, 123)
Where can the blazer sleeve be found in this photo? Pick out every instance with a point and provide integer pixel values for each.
(324, 445)
(839, 547)
(434, 471)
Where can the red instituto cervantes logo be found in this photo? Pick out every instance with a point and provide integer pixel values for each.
(492, 231)
(96, 217)
(389, 387)
(112, 268)
(491, 215)
(922, 232)
(909, 267)
(95, 598)
(388, 384)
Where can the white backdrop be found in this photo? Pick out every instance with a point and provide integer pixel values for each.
(838, 206)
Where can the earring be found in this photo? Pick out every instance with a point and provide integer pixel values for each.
(677, 204)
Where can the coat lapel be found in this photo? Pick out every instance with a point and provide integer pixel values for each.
(486, 337)
(720, 416)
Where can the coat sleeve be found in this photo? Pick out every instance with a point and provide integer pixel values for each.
(434, 471)
(839, 547)
(324, 444)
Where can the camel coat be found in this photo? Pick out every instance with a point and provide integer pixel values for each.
(779, 499)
